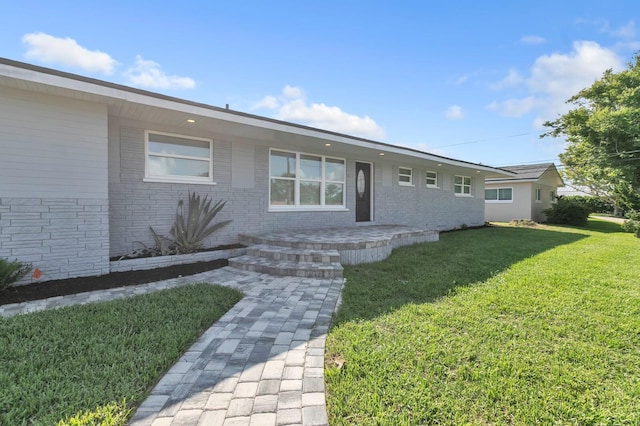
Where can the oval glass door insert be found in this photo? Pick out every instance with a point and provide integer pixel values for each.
(360, 185)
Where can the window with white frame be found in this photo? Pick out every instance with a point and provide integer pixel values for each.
(462, 185)
(538, 195)
(176, 158)
(431, 179)
(300, 180)
(405, 176)
(498, 195)
(552, 196)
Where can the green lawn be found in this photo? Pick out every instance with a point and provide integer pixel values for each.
(93, 364)
(496, 325)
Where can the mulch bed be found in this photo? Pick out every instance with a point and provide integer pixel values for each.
(54, 288)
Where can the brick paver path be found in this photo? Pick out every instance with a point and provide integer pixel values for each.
(262, 363)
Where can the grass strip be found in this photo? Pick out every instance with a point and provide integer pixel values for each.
(93, 364)
(497, 325)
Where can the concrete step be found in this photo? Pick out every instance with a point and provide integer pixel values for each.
(286, 267)
(294, 254)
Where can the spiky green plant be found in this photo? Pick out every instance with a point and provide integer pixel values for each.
(164, 246)
(190, 233)
(12, 271)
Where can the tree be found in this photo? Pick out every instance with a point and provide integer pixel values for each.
(603, 136)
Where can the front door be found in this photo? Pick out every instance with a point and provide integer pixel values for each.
(363, 192)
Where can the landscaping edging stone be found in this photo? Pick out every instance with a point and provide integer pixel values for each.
(178, 259)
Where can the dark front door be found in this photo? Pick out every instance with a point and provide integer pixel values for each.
(363, 192)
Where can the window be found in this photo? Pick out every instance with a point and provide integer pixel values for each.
(552, 196)
(431, 179)
(462, 185)
(498, 195)
(538, 195)
(305, 181)
(174, 158)
(405, 176)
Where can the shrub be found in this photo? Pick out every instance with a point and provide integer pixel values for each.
(632, 224)
(10, 272)
(567, 212)
(164, 246)
(593, 203)
(188, 233)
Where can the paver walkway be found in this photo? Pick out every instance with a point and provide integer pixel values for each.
(262, 363)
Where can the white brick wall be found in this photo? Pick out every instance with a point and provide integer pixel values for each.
(61, 237)
(135, 205)
(53, 184)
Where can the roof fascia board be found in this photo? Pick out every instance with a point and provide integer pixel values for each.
(492, 181)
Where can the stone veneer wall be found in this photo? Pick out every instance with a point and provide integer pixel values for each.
(61, 237)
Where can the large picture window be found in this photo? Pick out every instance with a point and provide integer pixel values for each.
(462, 185)
(300, 180)
(175, 158)
(498, 195)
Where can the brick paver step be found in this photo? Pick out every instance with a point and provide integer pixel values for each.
(287, 268)
(294, 254)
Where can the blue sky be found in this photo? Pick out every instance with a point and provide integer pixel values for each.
(452, 78)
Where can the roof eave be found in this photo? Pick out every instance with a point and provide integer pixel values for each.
(103, 89)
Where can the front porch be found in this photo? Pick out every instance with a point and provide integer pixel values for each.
(321, 253)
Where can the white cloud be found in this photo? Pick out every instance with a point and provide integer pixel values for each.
(147, 73)
(291, 92)
(292, 106)
(555, 78)
(512, 79)
(461, 80)
(268, 102)
(627, 31)
(454, 112)
(514, 108)
(532, 39)
(67, 52)
(424, 147)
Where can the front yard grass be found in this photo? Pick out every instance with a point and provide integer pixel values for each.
(498, 325)
(94, 364)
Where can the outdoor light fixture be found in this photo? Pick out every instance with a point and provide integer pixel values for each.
(382, 153)
(191, 120)
(327, 144)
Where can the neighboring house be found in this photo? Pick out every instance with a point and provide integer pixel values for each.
(86, 166)
(526, 195)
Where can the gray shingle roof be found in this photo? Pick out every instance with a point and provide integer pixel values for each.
(528, 171)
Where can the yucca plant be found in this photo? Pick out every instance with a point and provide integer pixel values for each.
(190, 232)
(12, 271)
(164, 246)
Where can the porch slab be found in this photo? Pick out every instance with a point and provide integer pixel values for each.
(356, 245)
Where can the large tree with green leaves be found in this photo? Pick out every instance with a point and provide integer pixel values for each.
(603, 137)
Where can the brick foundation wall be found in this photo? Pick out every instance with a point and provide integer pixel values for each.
(61, 237)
